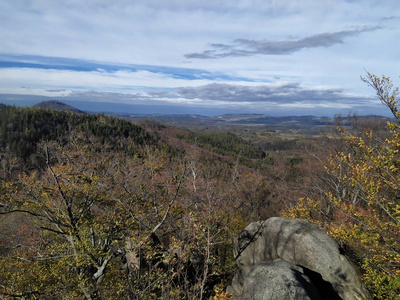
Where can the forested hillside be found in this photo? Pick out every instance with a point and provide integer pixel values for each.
(22, 128)
(96, 207)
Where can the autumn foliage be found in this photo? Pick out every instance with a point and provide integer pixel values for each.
(110, 224)
(360, 201)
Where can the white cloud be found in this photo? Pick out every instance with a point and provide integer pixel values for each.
(13, 79)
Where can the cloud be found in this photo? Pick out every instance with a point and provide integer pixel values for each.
(277, 94)
(145, 87)
(224, 94)
(246, 47)
(16, 80)
(219, 98)
(56, 91)
(390, 18)
(289, 95)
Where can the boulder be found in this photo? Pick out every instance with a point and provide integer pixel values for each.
(278, 280)
(299, 243)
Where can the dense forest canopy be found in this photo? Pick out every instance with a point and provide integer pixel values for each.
(23, 128)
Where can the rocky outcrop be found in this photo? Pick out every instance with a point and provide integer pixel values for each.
(278, 280)
(309, 256)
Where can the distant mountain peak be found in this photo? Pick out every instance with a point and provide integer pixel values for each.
(58, 105)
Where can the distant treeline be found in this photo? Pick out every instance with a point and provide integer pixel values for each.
(226, 144)
(279, 144)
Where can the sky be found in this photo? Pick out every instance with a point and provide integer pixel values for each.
(275, 57)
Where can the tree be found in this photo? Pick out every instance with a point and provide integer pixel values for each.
(360, 207)
(86, 206)
(80, 229)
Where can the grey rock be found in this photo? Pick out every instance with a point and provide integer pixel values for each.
(278, 280)
(299, 243)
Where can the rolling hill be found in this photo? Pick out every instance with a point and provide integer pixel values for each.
(57, 105)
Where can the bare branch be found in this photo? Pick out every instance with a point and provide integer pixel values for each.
(169, 206)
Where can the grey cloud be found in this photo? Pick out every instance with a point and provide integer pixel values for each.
(221, 46)
(245, 47)
(288, 93)
(212, 54)
(286, 99)
(106, 96)
(227, 92)
(160, 93)
(207, 54)
(56, 90)
(390, 18)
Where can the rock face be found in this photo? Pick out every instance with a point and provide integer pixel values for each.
(278, 280)
(305, 256)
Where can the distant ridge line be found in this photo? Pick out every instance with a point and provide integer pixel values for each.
(58, 105)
